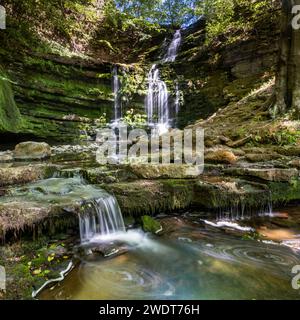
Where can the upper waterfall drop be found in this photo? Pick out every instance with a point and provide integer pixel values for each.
(103, 218)
(173, 48)
(157, 103)
(116, 90)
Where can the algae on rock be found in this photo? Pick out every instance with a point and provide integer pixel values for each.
(10, 117)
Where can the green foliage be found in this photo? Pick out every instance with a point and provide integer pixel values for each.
(286, 137)
(168, 12)
(234, 18)
(253, 235)
(134, 120)
(73, 21)
(102, 121)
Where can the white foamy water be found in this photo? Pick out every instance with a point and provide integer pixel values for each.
(157, 103)
(116, 89)
(229, 224)
(104, 219)
(173, 48)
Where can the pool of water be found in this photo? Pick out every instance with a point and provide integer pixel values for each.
(193, 259)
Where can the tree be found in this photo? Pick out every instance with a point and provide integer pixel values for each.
(288, 75)
(170, 12)
(178, 12)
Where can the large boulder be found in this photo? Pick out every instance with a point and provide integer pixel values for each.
(32, 151)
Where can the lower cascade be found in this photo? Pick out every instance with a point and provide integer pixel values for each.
(102, 217)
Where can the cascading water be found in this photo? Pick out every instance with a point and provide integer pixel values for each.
(173, 48)
(177, 98)
(157, 101)
(116, 89)
(104, 218)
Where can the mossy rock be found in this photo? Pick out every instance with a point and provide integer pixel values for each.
(149, 224)
(10, 117)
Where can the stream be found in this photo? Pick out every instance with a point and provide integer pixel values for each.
(193, 259)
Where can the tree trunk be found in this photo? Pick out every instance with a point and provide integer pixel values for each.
(288, 75)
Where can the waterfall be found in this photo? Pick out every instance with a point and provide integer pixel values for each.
(157, 101)
(177, 98)
(103, 218)
(173, 48)
(116, 90)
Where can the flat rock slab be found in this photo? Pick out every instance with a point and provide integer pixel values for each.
(24, 174)
(165, 171)
(267, 174)
(152, 196)
(6, 156)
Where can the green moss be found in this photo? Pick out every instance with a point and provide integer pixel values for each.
(283, 192)
(150, 225)
(29, 264)
(151, 197)
(10, 117)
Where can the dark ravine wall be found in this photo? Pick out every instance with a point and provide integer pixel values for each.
(50, 90)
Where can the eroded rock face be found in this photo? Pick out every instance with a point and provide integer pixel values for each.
(152, 196)
(32, 151)
(230, 194)
(295, 163)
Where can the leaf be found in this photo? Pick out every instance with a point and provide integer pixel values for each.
(50, 258)
(37, 271)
